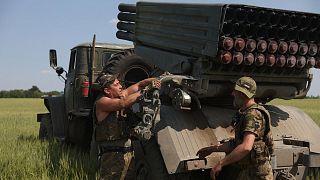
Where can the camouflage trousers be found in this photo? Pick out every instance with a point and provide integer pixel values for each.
(262, 171)
(116, 166)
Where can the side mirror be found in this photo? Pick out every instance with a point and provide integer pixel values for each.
(53, 58)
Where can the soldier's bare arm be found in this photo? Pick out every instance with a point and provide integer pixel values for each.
(202, 153)
(237, 154)
(106, 104)
(139, 86)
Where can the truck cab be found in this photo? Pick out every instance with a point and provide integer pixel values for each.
(82, 70)
(69, 115)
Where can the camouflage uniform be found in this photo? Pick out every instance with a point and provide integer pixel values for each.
(115, 149)
(256, 165)
(254, 119)
(116, 165)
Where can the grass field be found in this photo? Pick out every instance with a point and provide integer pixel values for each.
(23, 156)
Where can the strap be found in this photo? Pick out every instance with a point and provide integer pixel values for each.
(266, 117)
(267, 130)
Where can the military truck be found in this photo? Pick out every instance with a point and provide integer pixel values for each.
(206, 47)
(69, 116)
(210, 46)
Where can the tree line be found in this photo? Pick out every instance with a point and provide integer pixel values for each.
(312, 97)
(33, 92)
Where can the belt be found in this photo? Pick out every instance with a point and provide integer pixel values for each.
(249, 165)
(105, 149)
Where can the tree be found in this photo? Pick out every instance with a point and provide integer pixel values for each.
(34, 89)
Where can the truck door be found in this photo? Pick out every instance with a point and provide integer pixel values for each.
(70, 83)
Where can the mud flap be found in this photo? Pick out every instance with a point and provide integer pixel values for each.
(56, 106)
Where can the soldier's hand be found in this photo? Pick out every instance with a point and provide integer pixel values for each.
(204, 152)
(215, 170)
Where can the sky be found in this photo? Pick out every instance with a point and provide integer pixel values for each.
(29, 28)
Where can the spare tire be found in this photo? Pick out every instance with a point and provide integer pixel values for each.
(131, 67)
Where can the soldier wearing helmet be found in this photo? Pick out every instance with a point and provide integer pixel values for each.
(252, 146)
(112, 132)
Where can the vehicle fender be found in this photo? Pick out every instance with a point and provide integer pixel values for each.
(291, 122)
(56, 107)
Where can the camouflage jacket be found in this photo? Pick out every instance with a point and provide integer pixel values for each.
(255, 119)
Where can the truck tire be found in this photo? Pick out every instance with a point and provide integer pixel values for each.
(46, 128)
(131, 67)
(94, 153)
(79, 131)
(149, 163)
(314, 173)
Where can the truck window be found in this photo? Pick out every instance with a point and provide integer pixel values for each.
(73, 57)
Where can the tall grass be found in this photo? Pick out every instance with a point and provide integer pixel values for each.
(24, 156)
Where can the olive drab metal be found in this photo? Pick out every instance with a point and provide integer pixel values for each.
(198, 51)
(224, 43)
(70, 114)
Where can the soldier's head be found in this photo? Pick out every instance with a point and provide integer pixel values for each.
(244, 90)
(110, 85)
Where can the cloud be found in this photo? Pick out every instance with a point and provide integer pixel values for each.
(113, 21)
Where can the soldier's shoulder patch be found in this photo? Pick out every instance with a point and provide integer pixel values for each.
(253, 121)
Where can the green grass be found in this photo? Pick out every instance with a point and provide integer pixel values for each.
(24, 156)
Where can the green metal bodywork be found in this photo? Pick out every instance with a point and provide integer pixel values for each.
(188, 37)
(80, 70)
(185, 39)
(70, 113)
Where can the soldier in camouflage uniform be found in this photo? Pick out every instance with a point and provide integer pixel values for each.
(111, 131)
(252, 146)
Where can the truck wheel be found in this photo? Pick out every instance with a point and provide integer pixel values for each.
(148, 162)
(79, 131)
(131, 67)
(46, 129)
(94, 153)
(314, 173)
